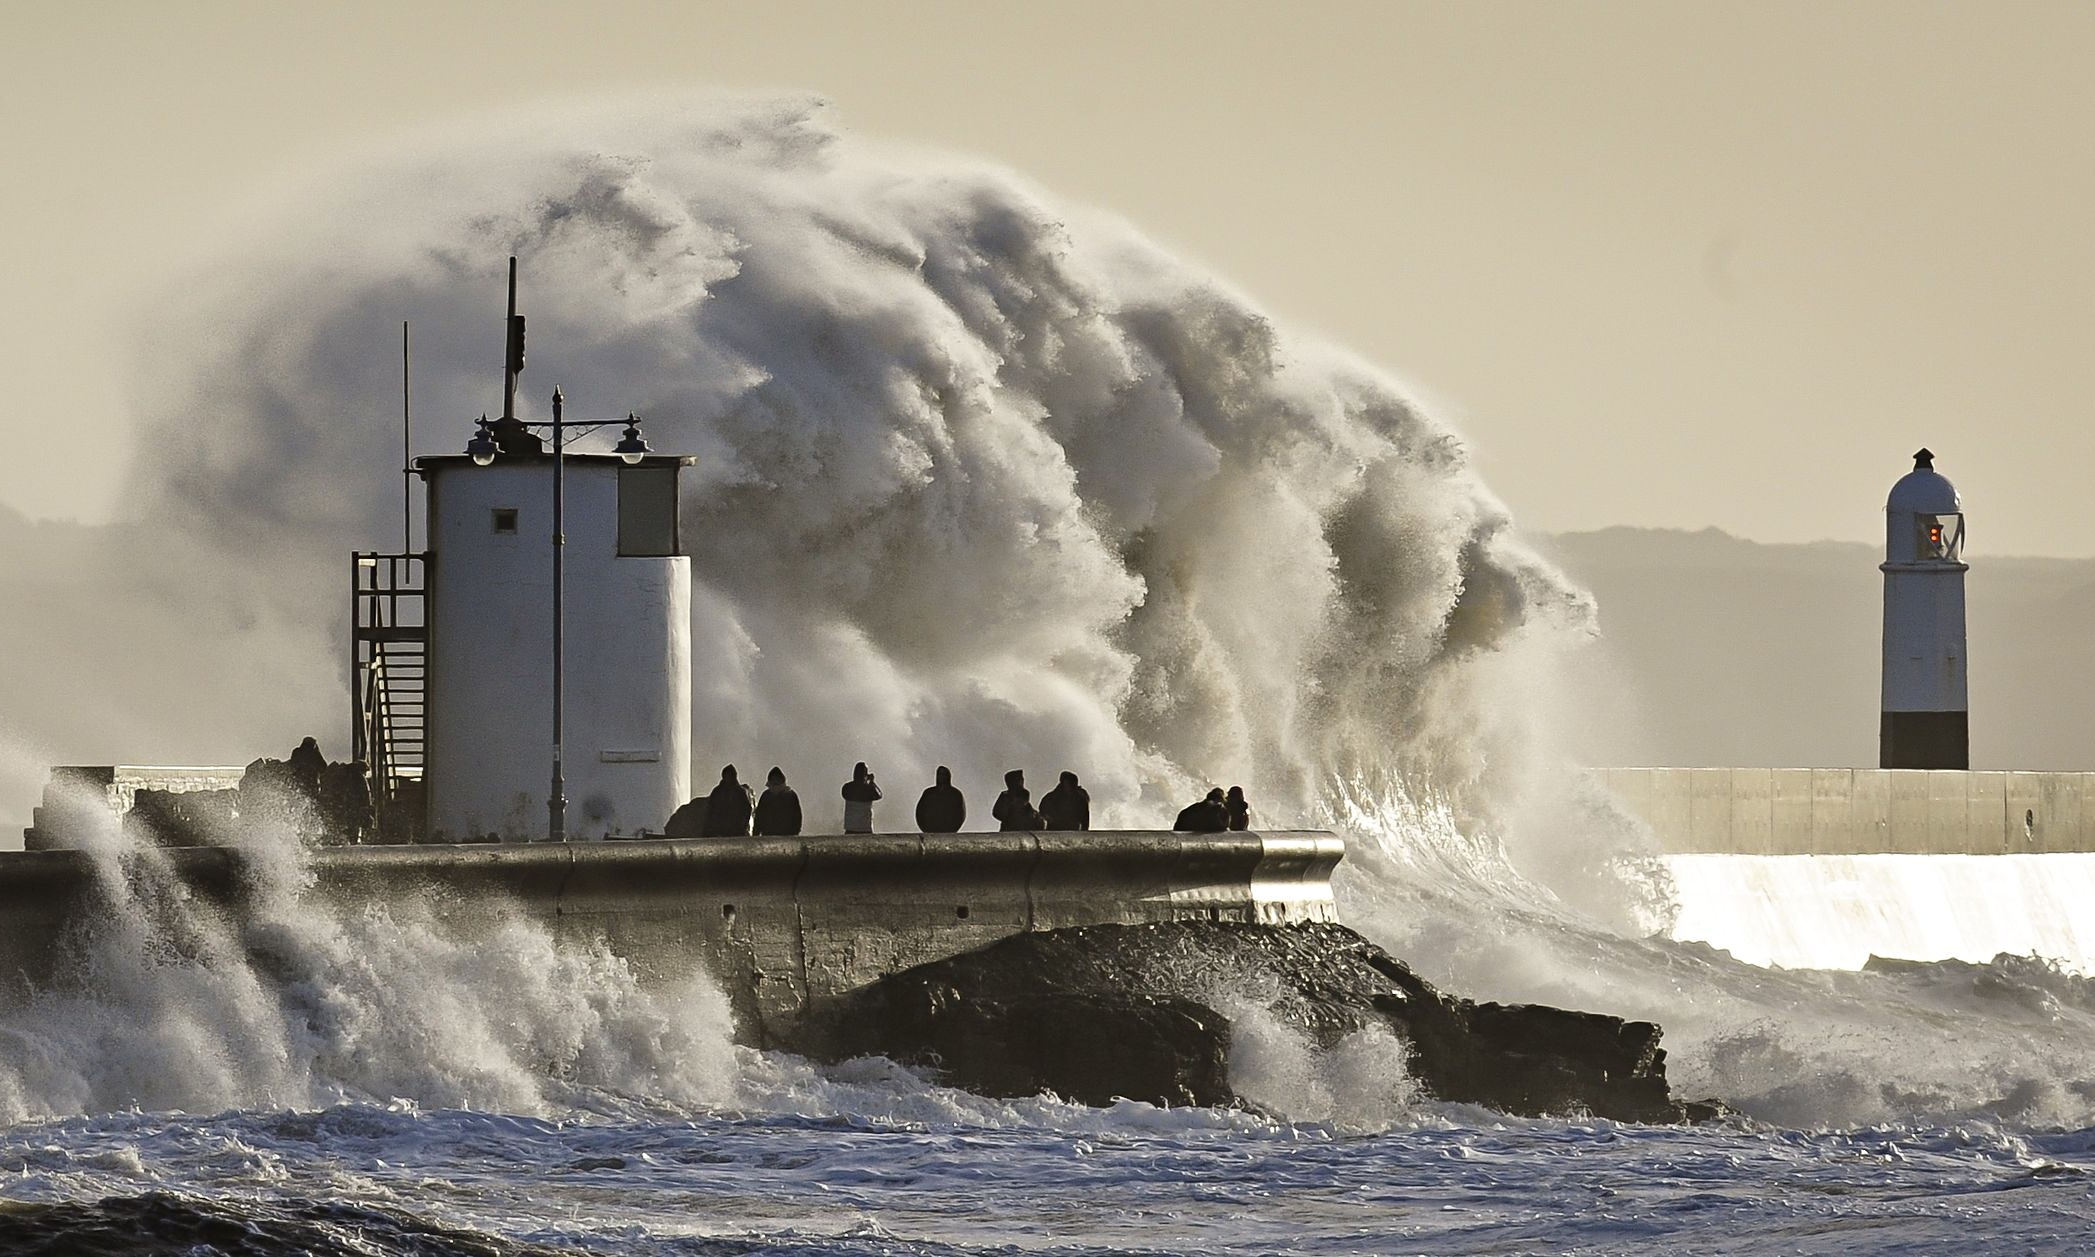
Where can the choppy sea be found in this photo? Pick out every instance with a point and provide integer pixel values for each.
(944, 1173)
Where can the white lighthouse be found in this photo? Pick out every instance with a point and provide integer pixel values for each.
(1925, 721)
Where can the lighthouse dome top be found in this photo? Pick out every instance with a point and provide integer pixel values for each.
(1924, 490)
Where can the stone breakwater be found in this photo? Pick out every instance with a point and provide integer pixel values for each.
(1103, 1012)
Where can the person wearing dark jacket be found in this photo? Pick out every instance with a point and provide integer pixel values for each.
(345, 802)
(1209, 816)
(1067, 806)
(778, 808)
(1239, 811)
(307, 763)
(728, 808)
(942, 809)
(860, 794)
(1014, 810)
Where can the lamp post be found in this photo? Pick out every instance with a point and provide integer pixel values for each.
(631, 448)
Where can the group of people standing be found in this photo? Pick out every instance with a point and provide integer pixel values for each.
(1215, 813)
(734, 810)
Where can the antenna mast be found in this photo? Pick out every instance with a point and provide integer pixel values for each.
(407, 446)
(512, 349)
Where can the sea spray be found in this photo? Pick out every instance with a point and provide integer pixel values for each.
(982, 480)
(170, 1002)
(2012, 1039)
(1360, 1083)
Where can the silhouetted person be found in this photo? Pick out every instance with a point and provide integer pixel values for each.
(728, 807)
(688, 821)
(345, 802)
(1209, 816)
(860, 794)
(942, 809)
(778, 809)
(1067, 806)
(1239, 811)
(307, 763)
(1014, 810)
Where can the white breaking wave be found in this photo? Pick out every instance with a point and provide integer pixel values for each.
(1835, 912)
(982, 480)
(171, 1006)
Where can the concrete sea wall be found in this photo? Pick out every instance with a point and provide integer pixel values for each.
(81, 798)
(782, 923)
(1858, 811)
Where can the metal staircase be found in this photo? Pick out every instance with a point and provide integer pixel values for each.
(389, 641)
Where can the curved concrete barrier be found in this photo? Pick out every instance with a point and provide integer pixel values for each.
(781, 922)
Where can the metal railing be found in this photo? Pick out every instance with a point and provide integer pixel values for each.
(389, 645)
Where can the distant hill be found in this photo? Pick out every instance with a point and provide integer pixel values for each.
(1720, 650)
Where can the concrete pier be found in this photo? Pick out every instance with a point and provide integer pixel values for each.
(780, 922)
(1858, 811)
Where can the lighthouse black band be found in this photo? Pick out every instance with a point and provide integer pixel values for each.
(1924, 739)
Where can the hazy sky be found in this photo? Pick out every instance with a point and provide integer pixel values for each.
(1666, 264)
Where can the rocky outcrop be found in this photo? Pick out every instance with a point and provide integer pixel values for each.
(1099, 1012)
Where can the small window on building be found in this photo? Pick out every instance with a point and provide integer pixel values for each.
(647, 512)
(505, 519)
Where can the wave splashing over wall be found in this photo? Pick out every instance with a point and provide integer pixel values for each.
(170, 1004)
(982, 480)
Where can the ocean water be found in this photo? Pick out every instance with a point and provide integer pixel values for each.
(932, 1173)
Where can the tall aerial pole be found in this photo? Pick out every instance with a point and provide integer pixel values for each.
(407, 447)
(512, 349)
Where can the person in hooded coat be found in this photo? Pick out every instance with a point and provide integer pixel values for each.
(778, 809)
(1239, 810)
(860, 794)
(942, 809)
(307, 763)
(1067, 806)
(728, 808)
(1209, 816)
(345, 802)
(1014, 810)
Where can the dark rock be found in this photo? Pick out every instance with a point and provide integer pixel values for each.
(1099, 1012)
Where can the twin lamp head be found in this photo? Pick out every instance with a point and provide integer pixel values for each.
(631, 447)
